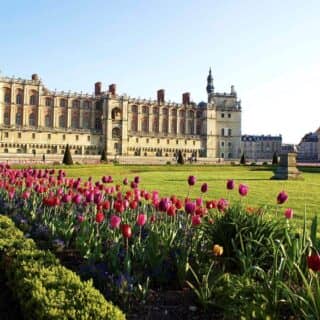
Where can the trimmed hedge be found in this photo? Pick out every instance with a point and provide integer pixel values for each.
(45, 289)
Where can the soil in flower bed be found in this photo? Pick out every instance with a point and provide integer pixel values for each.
(9, 307)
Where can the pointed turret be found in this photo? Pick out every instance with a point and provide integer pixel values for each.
(210, 87)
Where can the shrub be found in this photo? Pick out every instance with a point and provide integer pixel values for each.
(67, 159)
(243, 159)
(44, 288)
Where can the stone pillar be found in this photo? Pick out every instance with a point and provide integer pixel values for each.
(169, 121)
(160, 118)
(81, 114)
(287, 169)
(139, 117)
(69, 115)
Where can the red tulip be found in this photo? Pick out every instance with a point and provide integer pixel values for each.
(141, 219)
(99, 217)
(196, 220)
(314, 262)
(126, 231)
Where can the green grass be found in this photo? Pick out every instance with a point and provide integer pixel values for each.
(172, 179)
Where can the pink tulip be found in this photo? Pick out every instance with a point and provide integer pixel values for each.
(115, 222)
(141, 219)
(288, 213)
(196, 220)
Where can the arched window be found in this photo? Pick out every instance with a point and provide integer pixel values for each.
(155, 110)
(86, 121)
(86, 104)
(191, 126)
(19, 98)
(134, 109)
(165, 111)
(62, 121)
(75, 121)
(182, 126)
(33, 99)
(6, 119)
(198, 126)
(75, 104)
(116, 114)
(116, 133)
(145, 124)
(145, 110)
(63, 103)
(174, 112)
(49, 102)
(155, 125)
(32, 119)
(134, 118)
(181, 113)
(165, 125)
(174, 126)
(18, 119)
(98, 124)
(7, 95)
(99, 105)
(47, 120)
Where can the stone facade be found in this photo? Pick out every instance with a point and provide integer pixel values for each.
(308, 147)
(36, 120)
(260, 147)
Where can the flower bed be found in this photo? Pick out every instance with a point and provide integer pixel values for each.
(44, 288)
(133, 242)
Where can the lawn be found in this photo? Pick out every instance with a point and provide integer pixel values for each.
(169, 180)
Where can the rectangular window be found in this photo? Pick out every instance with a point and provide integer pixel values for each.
(33, 135)
(158, 140)
(137, 139)
(6, 134)
(222, 115)
(147, 140)
(49, 136)
(177, 141)
(168, 141)
(229, 132)
(185, 141)
(19, 134)
(194, 143)
(88, 138)
(229, 144)
(229, 115)
(63, 137)
(222, 143)
(222, 131)
(77, 137)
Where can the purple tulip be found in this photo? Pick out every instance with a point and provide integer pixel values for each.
(230, 184)
(164, 204)
(282, 197)
(243, 190)
(77, 199)
(192, 180)
(204, 187)
(125, 181)
(190, 207)
(136, 179)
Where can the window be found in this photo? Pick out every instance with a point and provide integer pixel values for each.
(63, 103)
(63, 137)
(75, 103)
(19, 135)
(229, 144)
(222, 143)
(168, 141)
(48, 102)
(6, 134)
(62, 121)
(222, 155)
(33, 135)
(229, 132)
(229, 115)
(137, 139)
(33, 100)
(222, 115)
(185, 141)
(18, 119)
(194, 143)
(6, 118)
(77, 137)
(32, 119)
(158, 140)
(19, 98)
(177, 141)
(229, 155)
(88, 138)
(222, 131)
(49, 136)
(47, 121)
(147, 140)
(7, 96)
(5, 150)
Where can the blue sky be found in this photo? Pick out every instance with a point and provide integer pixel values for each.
(269, 50)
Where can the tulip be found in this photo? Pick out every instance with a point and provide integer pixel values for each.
(190, 207)
(164, 204)
(171, 211)
(77, 199)
(314, 262)
(115, 222)
(282, 197)
(26, 195)
(217, 250)
(222, 204)
(99, 217)
(230, 184)
(204, 187)
(288, 213)
(243, 190)
(133, 204)
(80, 218)
(196, 220)
(126, 231)
(134, 185)
(136, 179)
(125, 181)
(199, 202)
(141, 219)
(191, 180)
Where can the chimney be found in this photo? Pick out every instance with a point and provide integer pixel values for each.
(112, 89)
(35, 77)
(97, 88)
(186, 98)
(160, 96)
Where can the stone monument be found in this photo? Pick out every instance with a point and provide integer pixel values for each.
(287, 168)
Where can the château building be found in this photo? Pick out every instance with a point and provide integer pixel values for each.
(36, 120)
(261, 147)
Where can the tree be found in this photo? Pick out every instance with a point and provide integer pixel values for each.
(243, 159)
(180, 159)
(103, 155)
(67, 159)
(275, 159)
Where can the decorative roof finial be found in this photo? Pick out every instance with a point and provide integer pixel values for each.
(210, 87)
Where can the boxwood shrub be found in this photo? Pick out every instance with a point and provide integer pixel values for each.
(44, 288)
